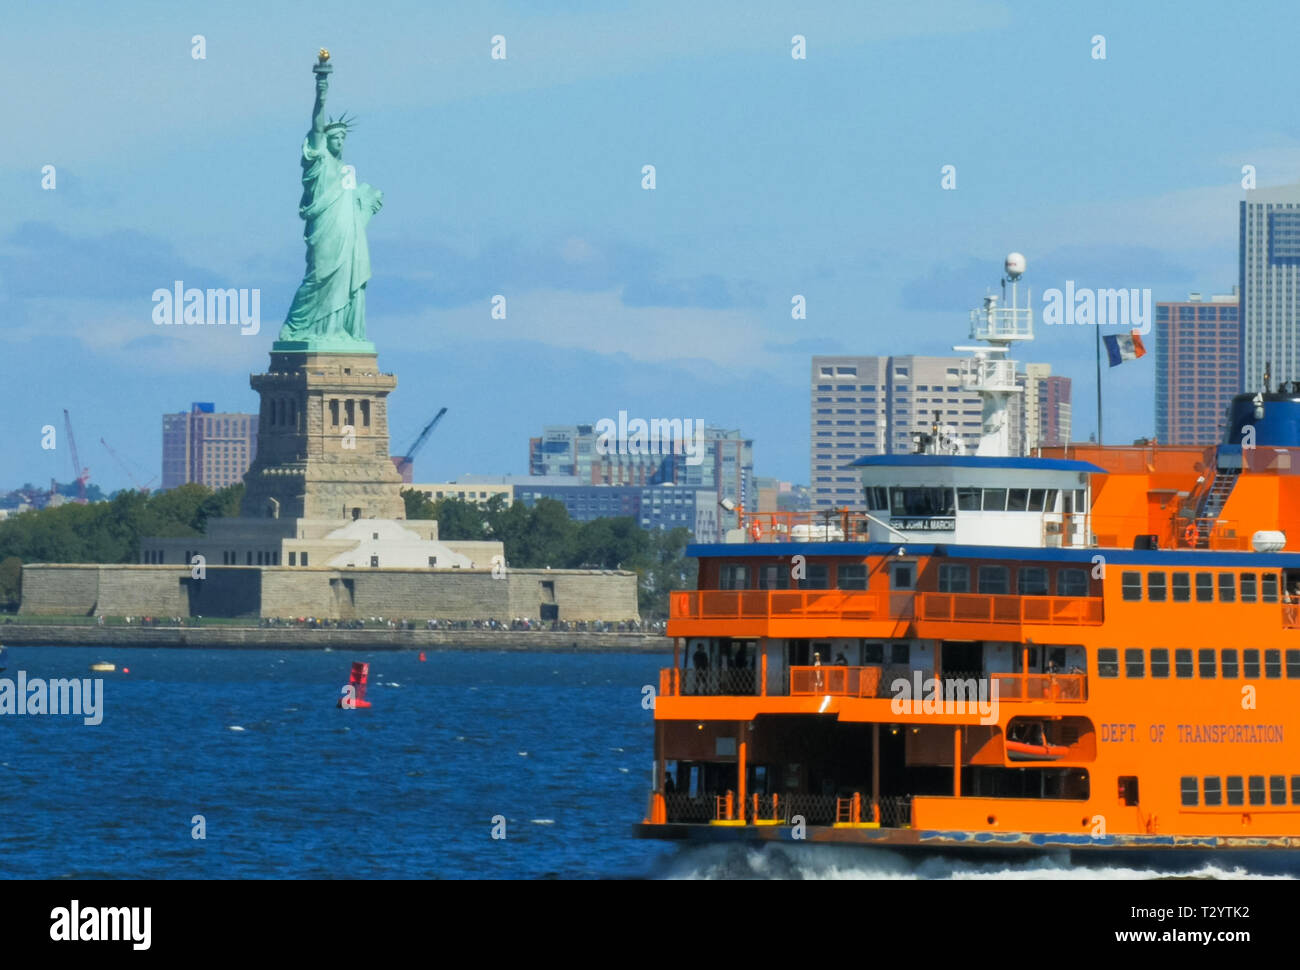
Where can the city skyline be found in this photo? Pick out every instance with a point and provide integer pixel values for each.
(522, 178)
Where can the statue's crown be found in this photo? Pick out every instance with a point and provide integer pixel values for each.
(342, 121)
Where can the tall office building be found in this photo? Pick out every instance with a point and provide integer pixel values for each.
(1047, 418)
(878, 405)
(1269, 286)
(1198, 367)
(204, 446)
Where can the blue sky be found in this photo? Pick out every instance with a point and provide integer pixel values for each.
(522, 177)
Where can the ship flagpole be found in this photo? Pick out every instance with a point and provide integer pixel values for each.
(1098, 330)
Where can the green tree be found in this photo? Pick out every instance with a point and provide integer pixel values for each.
(11, 582)
(418, 505)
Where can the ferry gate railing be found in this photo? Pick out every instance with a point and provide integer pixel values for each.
(685, 807)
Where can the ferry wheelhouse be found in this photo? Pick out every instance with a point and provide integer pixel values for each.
(1096, 650)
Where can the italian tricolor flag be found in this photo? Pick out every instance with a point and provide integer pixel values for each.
(1122, 347)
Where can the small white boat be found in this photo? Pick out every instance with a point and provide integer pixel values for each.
(103, 667)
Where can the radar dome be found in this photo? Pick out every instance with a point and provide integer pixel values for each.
(1015, 265)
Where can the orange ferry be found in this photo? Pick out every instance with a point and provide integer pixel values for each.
(1095, 651)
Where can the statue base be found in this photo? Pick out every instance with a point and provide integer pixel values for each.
(322, 438)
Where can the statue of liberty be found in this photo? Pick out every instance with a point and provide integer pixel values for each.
(329, 309)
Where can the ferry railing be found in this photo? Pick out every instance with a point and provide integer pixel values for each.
(896, 811)
(1291, 616)
(815, 809)
(976, 608)
(838, 681)
(685, 807)
(828, 525)
(702, 682)
(765, 808)
(862, 605)
(714, 604)
(1067, 688)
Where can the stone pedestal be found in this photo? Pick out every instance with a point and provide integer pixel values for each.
(322, 440)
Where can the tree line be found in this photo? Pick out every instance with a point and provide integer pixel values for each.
(536, 537)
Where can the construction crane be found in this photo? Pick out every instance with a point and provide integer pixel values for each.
(80, 475)
(405, 462)
(142, 489)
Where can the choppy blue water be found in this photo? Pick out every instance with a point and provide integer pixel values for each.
(292, 787)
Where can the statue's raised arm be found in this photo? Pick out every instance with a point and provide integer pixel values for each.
(322, 70)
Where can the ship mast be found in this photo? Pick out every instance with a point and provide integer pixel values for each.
(988, 372)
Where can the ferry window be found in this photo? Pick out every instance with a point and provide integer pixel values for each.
(900, 653)
(1190, 789)
(994, 580)
(1128, 789)
(1036, 500)
(922, 501)
(1204, 588)
(1049, 502)
(1227, 588)
(1159, 662)
(1183, 663)
(1182, 587)
(1229, 659)
(1156, 587)
(1273, 663)
(1071, 582)
(1213, 791)
(873, 653)
(903, 576)
(1108, 662)
(1236, 791)
(1248, 587)
(775, 576)
(1277, 789)
(733, 577)
(995, 500)
(1135, 664)
(1295, 789)
(817, 576)
(1250, 664)
(1268, 587)
(1131, 585)
(1293, 663)
(1018, 500)
(954, 578)
(968, 499)
(851, 577)
(1206, 662)
(1032, 581)
(1257, 789)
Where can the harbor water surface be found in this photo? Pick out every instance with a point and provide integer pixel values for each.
(289, 786)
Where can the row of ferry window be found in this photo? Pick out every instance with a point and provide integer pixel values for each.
(1207, 663)
(1256, 785)
(940, 500)
(952, 578)
(1181, 588)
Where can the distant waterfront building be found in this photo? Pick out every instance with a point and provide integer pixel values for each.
(725, 465)
(1047, 418)
(1268, 282)
(878, 405)
(206, 446)
(1198, 367)
(652, 506)
(478, 494)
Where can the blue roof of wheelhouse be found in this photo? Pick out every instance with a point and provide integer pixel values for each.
(979, 461)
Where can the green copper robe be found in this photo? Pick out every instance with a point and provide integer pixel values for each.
(331, 301)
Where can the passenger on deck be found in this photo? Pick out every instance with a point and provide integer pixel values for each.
(840, 660)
